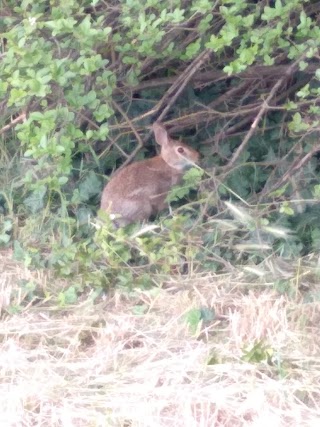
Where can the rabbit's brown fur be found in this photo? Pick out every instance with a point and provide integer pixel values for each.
(139, 190)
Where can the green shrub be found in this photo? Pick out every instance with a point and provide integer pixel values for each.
(81, 82)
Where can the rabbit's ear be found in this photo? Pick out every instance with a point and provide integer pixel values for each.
(160, 134)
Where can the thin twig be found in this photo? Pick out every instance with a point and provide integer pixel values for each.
(213, 76)
(13, 123)
(140, 142)
(175, 90)
(263, 109)
(296, 167)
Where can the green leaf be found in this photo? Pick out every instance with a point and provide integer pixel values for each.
(20, 254)
(304, 92)
(192, 49)
(4, 238)
(258, 353)
(35, 202)
(103, 112)
(303, 65)
(207, 314)
(7, 225)
(316, 192)
(63, 180)
(89, 187)
(279, 192)
(193, 318)
(16, 96)
(177, 15)
(286, 209)
(69, 296)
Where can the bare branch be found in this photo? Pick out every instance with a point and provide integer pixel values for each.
(263, 109)
(18, 119)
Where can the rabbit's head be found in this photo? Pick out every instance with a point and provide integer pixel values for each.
(176, 154)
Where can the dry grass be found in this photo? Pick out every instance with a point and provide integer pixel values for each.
(133, 360)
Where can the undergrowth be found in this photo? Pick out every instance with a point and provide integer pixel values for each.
(81, 85)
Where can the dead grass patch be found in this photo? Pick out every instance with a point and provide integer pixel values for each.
(133, 359)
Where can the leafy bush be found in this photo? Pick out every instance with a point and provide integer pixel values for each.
(81, 82)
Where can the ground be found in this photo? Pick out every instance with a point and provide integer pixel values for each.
(204, 350)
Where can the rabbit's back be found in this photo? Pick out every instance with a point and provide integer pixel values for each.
(139, 190)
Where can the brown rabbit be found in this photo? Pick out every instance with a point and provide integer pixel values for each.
(139, 190)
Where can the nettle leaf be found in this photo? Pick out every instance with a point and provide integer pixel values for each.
(177, 193)
(286, 209)
(89, 187)
(297, 124)
(190, 181)
(193, 176)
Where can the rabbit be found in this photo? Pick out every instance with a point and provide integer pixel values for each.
(139, 190)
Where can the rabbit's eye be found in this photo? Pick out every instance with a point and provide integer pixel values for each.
(180, 150)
